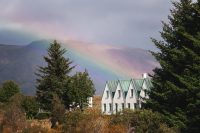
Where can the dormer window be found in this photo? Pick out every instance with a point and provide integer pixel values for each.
(107, 94)
(119, 93)
(131, 92)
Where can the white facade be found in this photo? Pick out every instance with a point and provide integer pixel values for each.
(107, 104)
(118, 100)
(131, 98)
(122, 94)
(90, 102)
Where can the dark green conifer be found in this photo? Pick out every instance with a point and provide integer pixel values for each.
(51, 78)
(176, 84)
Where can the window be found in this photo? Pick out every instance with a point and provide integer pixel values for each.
(116, 107)
(131, 92)
(122, 106)
(107, 94)
(119, 93)
(110, 107)
(129, 105)
(135, 105)
(104, 107)
(113, 93)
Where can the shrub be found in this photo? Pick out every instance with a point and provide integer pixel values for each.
(43, 115)
(35, 129)
(58, 111)
(148, 121)
(30, 106)
(14, 118)
(88, 121)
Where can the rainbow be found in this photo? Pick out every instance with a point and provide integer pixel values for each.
(96, 58)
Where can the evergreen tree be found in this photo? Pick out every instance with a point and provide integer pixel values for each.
(81, 89)
(176, 84)
(51, 78)
(8, 89)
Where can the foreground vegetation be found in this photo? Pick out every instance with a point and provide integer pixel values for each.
(14, 117)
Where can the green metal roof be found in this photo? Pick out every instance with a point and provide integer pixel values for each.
(138, 83)
(125, 84)
(112, 85)
(148, 83)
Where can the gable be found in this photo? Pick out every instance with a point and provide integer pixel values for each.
(112, 85)
(131, 87)
(116, 96)
(125, 84)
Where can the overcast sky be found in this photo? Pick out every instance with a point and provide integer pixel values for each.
(115, 22)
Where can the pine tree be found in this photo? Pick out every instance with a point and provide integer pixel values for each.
(51, 78)
(176, 84)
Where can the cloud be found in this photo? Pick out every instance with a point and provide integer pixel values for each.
(114, 22)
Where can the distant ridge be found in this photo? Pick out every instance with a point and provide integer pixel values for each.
(19, 63)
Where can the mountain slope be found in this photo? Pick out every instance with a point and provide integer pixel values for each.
(19, 63)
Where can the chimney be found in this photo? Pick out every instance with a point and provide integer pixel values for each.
(144, 75)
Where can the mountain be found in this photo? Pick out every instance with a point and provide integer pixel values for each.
(19, 63)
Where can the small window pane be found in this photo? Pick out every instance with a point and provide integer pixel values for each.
(129, 105)
(110, 107)
(131, 92)
(119, 93)
(107, 93)
(122, 106)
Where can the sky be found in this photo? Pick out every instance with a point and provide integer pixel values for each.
(106, 36)
(113, 22)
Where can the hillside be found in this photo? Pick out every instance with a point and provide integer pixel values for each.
(19, 63)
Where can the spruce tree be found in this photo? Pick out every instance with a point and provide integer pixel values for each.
(176, 83)
(51, 78)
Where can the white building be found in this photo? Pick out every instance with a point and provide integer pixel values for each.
(122, 94)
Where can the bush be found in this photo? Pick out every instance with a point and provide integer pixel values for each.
(43, 115)
(30, 106)
(58, 111)
(148, 121)
(35, 129)
(88, 121)
(14, 118)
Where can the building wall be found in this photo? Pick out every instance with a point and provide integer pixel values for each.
(118, 100)
(115, 103)
(131, 99)
(106, 100)
(90, 101)
(143, 94)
